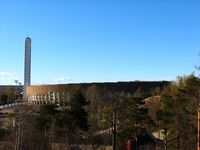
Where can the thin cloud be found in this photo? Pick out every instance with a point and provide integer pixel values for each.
(167, 77)
(62, 79)
(38, 82)
(8, 76)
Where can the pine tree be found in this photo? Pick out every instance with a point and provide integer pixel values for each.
(78, 112)
(178, 113)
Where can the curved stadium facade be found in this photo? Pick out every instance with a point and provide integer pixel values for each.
(44, 94)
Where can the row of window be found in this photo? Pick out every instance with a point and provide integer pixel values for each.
(50, 97)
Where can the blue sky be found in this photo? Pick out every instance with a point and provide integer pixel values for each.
(99, 40)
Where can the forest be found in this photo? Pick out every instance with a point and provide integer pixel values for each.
(96, 119)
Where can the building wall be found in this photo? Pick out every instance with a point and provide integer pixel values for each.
(44, 94)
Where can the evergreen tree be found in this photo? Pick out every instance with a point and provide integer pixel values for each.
(46, 122)
(78, 113)
(132, 116)
(178, 113)
(11, 94)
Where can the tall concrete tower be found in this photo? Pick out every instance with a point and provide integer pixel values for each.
(27, 62)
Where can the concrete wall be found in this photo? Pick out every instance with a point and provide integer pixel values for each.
(43, 94)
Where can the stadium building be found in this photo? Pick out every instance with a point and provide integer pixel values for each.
(44, 94)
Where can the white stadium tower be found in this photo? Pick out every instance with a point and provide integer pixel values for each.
(27, 66)
(27, 62)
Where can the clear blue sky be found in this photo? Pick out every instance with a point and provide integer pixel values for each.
(99, 40)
